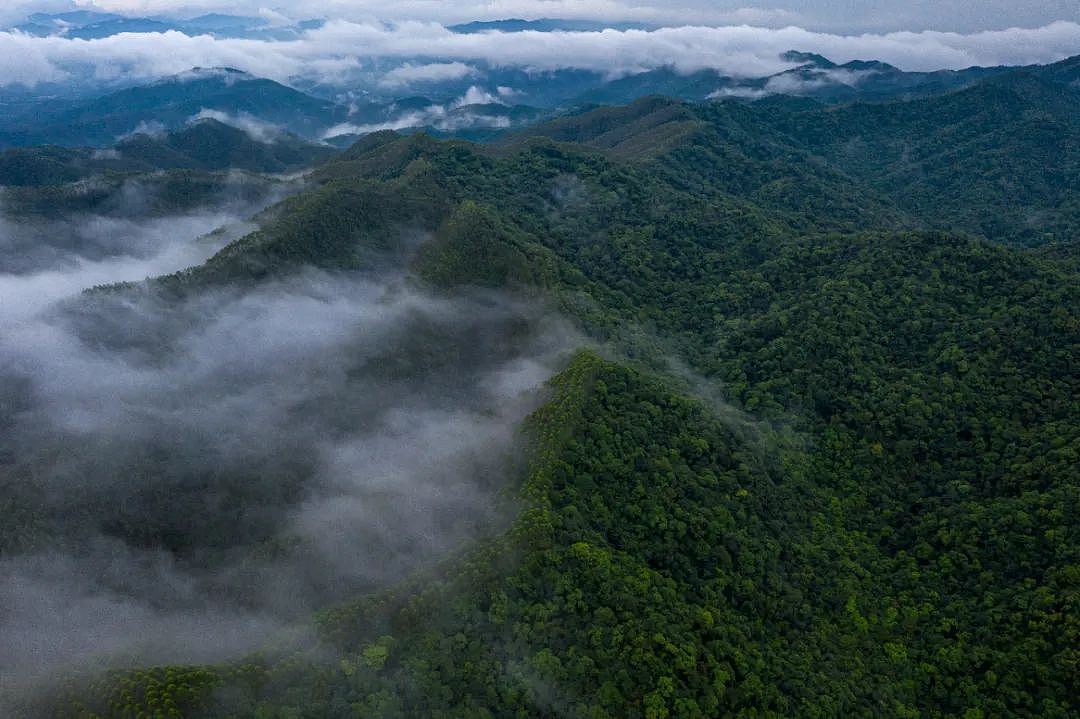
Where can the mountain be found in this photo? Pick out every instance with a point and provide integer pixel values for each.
(89, 25)
(543, 25)
(814, 77)
(261, 106)
(220, 22)
(1066, 72)
(697, 86)
(813, 452)
(206, 163)
(208, 144)
(811, 76)
(108, 28)
(170, 104)
(43, 24)
(995, 158)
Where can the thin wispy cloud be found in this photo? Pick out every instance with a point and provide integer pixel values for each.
(409, 73)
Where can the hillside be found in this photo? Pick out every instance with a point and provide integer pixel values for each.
(813, 453)
(998, 158)
(209, 144)
(206, 145)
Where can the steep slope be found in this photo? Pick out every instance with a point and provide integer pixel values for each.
(669, 561)
(703, 154)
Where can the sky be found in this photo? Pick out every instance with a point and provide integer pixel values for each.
(725, 35)
(846, 16)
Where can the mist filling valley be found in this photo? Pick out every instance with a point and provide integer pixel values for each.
(184, 477)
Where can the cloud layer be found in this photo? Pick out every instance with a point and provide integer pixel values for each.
(339, 49)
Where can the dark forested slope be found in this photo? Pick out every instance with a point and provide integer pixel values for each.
(877, 519)
(203, 145)
(999, 158)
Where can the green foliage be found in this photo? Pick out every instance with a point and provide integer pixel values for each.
(207, 145)
(999, 159)
(157, 693)
(134, 194)
(882, 522)
(474, 247)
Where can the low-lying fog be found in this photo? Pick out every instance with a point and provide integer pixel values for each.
(182, 478)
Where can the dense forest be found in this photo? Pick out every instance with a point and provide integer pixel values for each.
(816, 453)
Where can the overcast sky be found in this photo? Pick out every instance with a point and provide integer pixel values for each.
(833, 15)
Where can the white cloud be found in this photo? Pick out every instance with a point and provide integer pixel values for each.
(409, 73)
(204, 73)
(427, 117)
(477, 96)
(333, 51)
(256, 129)
(274, 18)
(795, 84)
(153, 128)
(450, 117)
(749, 93)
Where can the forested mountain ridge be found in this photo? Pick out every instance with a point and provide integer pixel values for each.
(204, 145)
(998, 158)
(878, 519)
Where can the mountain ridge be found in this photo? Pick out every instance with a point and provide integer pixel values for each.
(808, 446)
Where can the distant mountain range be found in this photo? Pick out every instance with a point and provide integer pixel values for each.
(255, 104)
(545, 25)
(814, 76)
(473, 99)
(205, 144)
(167, 104)
(476, 102)
(88, 25)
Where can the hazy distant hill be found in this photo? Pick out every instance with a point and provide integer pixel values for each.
(168, 104)
(814, 77)
(89, 25)
(257, 104)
